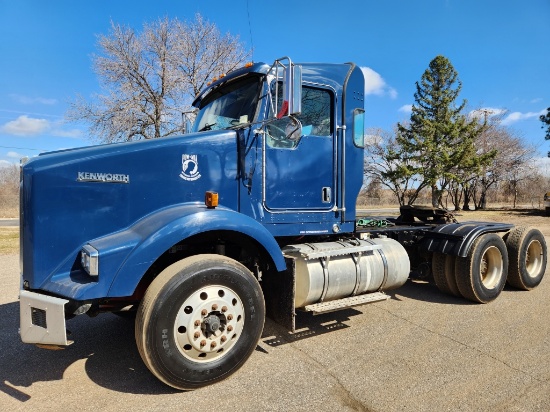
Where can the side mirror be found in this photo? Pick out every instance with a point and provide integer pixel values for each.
(292, 88)
(285, 132)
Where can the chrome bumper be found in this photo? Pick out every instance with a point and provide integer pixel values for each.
(42, 319)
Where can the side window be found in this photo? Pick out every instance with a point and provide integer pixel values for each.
(316, 117)
(359, 127)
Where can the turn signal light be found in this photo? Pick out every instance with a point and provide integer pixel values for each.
(211, 199)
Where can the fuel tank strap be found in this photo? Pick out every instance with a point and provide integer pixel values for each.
(338, 252)
(385, 263)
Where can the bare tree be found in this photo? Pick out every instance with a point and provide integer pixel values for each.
(150, 78)
(512, 162)
(386, 162)
(9, 190)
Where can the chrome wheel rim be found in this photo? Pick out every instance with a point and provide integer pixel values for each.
(209, 323)
(533, 259)
(491, 267)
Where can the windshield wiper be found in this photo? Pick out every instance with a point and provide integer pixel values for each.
(207, 127)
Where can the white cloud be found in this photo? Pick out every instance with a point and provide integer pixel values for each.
(14, 155)
(536, 100)
(33, 100)
(518, 116)
(72, 133)
(375, 84)
(25, 126)
(407, 108)
(29, 126)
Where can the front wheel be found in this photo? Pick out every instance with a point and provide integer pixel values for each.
(199, 321)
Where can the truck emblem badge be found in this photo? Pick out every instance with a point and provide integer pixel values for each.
(102, 177)
(190, 167)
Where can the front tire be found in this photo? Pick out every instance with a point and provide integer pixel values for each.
(199, 321)
(528, 257)
(481, 275)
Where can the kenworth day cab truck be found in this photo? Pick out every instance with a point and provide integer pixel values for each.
(253, 211)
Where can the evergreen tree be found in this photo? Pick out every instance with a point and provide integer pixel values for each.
(439, 140)
(545, 118)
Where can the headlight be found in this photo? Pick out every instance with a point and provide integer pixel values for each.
(89, 258)
(546, 197)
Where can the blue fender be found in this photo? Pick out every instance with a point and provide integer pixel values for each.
(155, 234)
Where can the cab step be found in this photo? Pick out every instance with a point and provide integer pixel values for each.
(334, 305)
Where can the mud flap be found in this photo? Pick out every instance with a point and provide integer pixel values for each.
(279, 290)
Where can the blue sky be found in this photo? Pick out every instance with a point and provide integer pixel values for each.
(501, 50)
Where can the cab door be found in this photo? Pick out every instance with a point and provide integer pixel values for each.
(299, 172)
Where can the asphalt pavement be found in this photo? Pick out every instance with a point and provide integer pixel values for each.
(419, 351)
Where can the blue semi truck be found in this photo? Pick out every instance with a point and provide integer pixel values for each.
(253, 211)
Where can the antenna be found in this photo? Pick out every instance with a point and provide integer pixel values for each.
(250, 29)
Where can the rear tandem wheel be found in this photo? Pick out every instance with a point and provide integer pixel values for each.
(527, 253)
(481, 275)
(443, 270)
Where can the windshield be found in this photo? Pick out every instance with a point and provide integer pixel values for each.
(228, 106)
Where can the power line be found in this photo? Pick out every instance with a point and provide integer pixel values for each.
(22, 148)
(30, 113)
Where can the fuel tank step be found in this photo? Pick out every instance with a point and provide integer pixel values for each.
(334, 305)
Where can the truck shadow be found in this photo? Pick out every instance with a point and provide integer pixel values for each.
(426, 292)
(307, 326)
(106, 346)
(105, 343)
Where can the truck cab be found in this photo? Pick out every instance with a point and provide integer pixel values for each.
(294, 168)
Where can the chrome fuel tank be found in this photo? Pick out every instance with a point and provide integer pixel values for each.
(335, 270)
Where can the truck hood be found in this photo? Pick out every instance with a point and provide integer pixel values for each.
(71, 197)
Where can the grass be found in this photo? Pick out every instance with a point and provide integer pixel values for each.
(9, 236)
(9, 240)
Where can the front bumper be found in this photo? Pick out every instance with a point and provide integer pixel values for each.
(42, 319)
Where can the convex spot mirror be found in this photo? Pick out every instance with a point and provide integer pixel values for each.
(285, 129)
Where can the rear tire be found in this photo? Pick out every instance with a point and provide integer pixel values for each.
(199, 321)
(481, 275)
(443, 269)
(527, 254)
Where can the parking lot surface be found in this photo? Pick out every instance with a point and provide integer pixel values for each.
(419, 351)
